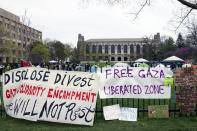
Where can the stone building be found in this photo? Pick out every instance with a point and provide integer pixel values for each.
(118, 49)
(21, 35)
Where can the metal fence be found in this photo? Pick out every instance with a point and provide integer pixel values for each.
(140, 104)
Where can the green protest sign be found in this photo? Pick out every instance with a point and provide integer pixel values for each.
(168, 81)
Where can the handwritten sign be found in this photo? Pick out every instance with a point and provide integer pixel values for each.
(128, 114)
(134, 83)
(111, 112)
(58, 96)
(158, 111)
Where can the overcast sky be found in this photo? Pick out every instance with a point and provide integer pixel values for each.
(64, 19)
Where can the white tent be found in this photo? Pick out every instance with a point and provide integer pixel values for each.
(52, 61)
(173, 59)
(160, 66)
(121, 65)
(141, 60)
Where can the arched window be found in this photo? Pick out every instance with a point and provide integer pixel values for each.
(106, 49)
(93, 49)
(87, 49)
(138, 49)
(125, 49)
(119, 49)
(131, 49)
(100, 49)
(112, 49)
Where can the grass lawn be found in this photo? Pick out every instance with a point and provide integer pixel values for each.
(171, 124)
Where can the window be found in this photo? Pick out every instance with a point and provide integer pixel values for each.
(87, 49)
(100, 49)
(131, 49)
(7, 25)
(138, 49)
(13, 36)
(106, 49)
(13, 28)
(125, 49)
(112, 49)
(19, 37)
(18, 29)
(119, 49)
(93, 49)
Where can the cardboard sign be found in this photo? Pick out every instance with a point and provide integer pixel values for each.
(128, 114)
(50, 95)
(158, 111)
(134, 83)
(111, 112)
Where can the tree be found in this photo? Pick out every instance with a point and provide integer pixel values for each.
(73, 57)
(58, 50)
(190, 5)
(191, 38)
(39, 53)
(168, 47)
(180, 42)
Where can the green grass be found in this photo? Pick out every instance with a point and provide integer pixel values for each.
(171, 124)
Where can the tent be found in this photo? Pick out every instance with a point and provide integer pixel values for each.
(121, 65)
(94, 66)
(52, 61)
(160, 66)
(173, 59)
(80, 68)
(186, 65)
(141, 60)
(143, 65)
(1, 66)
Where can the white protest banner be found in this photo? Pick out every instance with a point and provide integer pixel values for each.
(58, 96)
(138, 82)
(111, 112)
(128, 114)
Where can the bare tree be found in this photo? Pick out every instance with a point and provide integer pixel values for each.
(190, 5)
(26, 22)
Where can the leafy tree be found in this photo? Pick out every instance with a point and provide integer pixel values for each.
(39, 53)
(168, 46)
(58, 51)
(180, 42)
(73, 57)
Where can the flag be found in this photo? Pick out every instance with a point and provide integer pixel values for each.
(23, 63)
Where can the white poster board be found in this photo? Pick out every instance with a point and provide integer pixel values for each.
(111, 112)
(60, 96)
(128, 114)
(135, 82)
